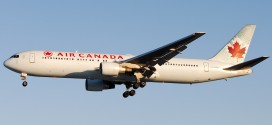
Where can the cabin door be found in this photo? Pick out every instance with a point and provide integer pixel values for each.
(32, 58)
(206, 67)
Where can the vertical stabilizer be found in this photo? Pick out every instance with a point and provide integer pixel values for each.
(235, 51)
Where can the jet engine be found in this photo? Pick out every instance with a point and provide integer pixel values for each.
(98, 85)
(112, 69)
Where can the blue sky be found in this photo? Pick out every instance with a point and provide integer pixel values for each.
(134, 27)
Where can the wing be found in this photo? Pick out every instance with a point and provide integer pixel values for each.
(164, 53)
(159, 56)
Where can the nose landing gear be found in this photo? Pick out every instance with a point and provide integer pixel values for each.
(24, 83)
(23, 77)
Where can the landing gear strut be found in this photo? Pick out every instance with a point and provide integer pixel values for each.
(23, 77)
(135, 85)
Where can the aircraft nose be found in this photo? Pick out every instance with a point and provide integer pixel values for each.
(7, 63)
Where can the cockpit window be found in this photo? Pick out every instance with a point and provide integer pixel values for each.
(15, 56)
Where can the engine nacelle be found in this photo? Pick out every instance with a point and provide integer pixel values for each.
(98, 85)
(112, 69)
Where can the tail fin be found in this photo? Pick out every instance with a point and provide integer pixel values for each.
(235, 51)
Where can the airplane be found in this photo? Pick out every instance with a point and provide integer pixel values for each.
(104, 71)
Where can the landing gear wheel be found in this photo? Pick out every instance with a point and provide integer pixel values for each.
(136, 85)
(126, 94)
(24, 84)
(132, 92)
(142, 84)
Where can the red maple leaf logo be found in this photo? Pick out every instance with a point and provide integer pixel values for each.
(236, 50)
(48, 53)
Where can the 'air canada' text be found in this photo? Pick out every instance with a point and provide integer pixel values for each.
(84, 55)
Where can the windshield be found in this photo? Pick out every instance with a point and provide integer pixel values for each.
(14, 56)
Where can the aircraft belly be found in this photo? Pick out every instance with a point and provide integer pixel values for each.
(73, 70)
(61, 69)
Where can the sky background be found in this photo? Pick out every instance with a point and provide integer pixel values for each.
(134, 27)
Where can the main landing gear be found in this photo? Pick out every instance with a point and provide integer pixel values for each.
(135, 85)
(23, 77)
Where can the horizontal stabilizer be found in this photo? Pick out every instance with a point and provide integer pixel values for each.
(247, 64)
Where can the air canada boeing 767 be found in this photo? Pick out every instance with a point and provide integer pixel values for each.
(104, 71)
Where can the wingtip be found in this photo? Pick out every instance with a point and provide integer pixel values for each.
(199, 33)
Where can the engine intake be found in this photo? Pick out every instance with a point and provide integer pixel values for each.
(98, 85)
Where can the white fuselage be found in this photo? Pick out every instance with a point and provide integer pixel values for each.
(86, 66)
